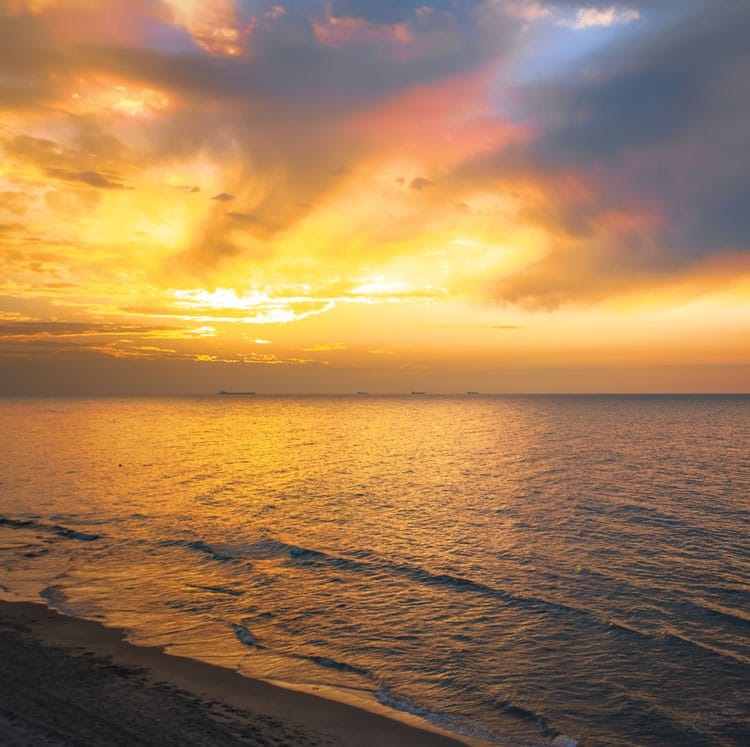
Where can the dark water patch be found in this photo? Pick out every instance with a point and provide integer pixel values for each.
(328, 663)
(244, 636)
(218, 554)
(18, 523)
(217, 590)
(523, 713)
(303, 552)
(676, 640)
(738, 617)
(73, 534)
(201, 546)
(36, 553)
(681, 639)
(57, 529)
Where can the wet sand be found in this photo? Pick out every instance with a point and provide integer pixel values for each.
(65, 681)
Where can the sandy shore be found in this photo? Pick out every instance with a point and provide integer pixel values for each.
(65, 681)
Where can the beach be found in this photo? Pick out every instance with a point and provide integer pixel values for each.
(66, 681)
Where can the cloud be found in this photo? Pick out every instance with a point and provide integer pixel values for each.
(10, 329)
(621, 161)
(92, 178)
(14, 202)
(386, 11)
(420, 183)
(500, 327)
(245, 218)
(11, 228)
(631, 169)
(529, 10)
(324, 347)
(591, 17)
(270, 119)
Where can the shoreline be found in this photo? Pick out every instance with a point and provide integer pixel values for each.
(65, 678)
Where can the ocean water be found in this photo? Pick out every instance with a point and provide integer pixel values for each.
(510, 568)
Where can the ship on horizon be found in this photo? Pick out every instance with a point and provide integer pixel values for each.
(223, 393)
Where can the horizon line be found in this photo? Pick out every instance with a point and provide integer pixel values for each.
(412, 394)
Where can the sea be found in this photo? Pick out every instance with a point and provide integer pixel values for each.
(518, 570)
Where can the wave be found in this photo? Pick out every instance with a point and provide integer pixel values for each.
(56, 598)
(57, 529)
(264, 549)
(245, 636)
(328, 663)
(728, 614)
(365, 561)
(684, 639)
(217, 589)
(523, 714)
(446, 721)
(200, 546)
(563, 740)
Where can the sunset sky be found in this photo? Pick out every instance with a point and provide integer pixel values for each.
(380, 195)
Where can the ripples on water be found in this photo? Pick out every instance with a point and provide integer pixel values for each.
(510, 567)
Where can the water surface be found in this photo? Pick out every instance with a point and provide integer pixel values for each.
(511, 568)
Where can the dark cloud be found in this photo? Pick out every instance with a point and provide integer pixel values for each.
(419, 183)
(287, 58)
(36, 150)
(674, 112)
(245, 218)
(80, 158)
(652, 129)
(658, 85)
(210, 249)
(92, 178)
(28, 59)
(14, 329)
(223, 197)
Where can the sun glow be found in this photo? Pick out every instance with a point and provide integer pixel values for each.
(99, 93)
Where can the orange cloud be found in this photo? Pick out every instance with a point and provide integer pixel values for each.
(443, 122)
(213, 25)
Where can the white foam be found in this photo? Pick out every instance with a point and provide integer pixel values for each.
(563, 740)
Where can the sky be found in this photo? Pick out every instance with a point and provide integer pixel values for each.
(377, 195)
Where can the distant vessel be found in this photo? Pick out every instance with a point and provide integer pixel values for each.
(471, 394)
(222, 393)
(362, 393)
(417, 393)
